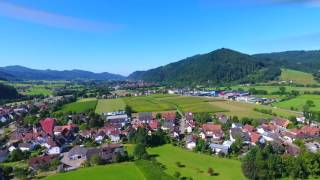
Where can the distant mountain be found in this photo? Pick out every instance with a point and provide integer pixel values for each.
(24, 73)
(221, 66)
(6, 76)
(307, 61)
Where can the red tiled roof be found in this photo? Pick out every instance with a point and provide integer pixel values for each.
(312, 131)
(211, 127)
(170, 116)
(48, 125)
(255, 137)
(154, 124)
(281, 122)
(248, 128)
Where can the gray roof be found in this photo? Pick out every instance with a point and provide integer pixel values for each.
(78, 150)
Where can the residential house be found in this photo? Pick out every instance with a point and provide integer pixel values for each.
(121, 119)
(238, 133)
(25, 146)
(248, 128)
(64, 129)
(212, 132)
(168, 116)
(154, 124)
(145, 117)
(74, 158)
(48, 125)
(255, 138)
(191, 142)
(281, 122)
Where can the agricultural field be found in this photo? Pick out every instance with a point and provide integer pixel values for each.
(196, 165)
(38, 90)
(148, 104)
(298, 77)
(110, 105)
(193, 104)
(79, 106)
(247, 110)
(299, 102)
(114, 172)
(160, 102)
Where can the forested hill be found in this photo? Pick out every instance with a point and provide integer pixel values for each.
(8, 92)
(23, 73)
(221, 66)
(307, 61)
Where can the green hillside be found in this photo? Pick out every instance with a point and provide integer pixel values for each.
(298, 77)
(221, 66)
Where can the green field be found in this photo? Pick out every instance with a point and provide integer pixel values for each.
(196, 165)
(271, 89)
(247, 110)
(112, 172)
(157, 103)
(298, 77)
(79, 106)
(109, 105)
(299, 102)
(38, 90)
(148, 104)
(193, 104)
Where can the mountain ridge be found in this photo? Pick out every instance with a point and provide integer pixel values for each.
(24, 73)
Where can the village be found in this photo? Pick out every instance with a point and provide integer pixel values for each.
(51, 146)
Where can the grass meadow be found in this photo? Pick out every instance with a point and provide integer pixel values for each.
(79, 106)
(297, 77)
(110, 105)
(113, 171)
(196, 165)
(299, 101)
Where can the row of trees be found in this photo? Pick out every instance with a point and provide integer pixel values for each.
(269, 163)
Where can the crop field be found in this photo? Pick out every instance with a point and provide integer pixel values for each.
(297, 77)
(109, 105)
(196, 165)
(300, 101)
(148, 104)
(193, 104)
(79, 106)
(114, 172)
(247, 110)
(157, 103)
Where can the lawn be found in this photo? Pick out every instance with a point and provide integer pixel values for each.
(300, 101)
(79, 106)
(247, 110)
(114, 172)
(196, 165)
(297, 77)
(109, 105)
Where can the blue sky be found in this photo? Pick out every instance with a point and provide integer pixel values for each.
(121, 36)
